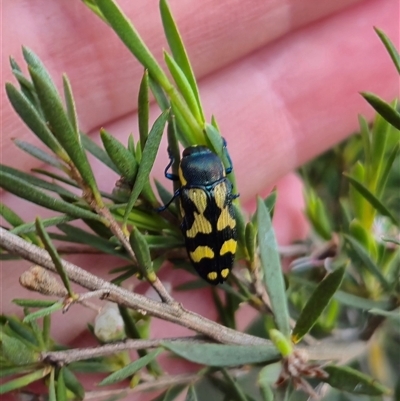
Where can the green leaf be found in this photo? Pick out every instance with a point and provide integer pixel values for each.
(366, 138)
(130, 369)
(43, 312)
(52, 387)
(368, 263)
(270, 263)
(39, 154)
(348, 379)
(70, 103)
(97, 152)
(80, 236)
(191, 394)
(121, 156)
(282, 343)
(270, 202)
(179, 52)
(33, 303)
(34, 121)
(148, 157)
(390, 48)
(393, 314)
(55, 257)
(61, 387)
(29, 192)
(72, 383)
(30, 227)
(251, 234)
(266, 379)
(388, 163)
(23, 381)
(143, 109)
(15, 221)
(317, 303)
(222, 355)
(23, 331)
(130, 37)
(235, 389)
(171, 394)
(59, 121)
(371, 198)
(17, 352)
(159, 94)
(142, 251)
(389, 113)
(184, 86)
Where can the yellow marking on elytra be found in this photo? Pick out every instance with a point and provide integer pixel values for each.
(182, 179)
(200, 224)
(224, 273)
(228, 246)
(201, 252)
(225, 220)
(212, 276)
(182, 210)
(220, 194)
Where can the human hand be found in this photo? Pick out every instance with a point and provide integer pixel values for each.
(281, 78)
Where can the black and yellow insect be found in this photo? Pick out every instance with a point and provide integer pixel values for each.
(208, 217)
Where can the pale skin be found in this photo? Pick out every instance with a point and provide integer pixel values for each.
(282, 79)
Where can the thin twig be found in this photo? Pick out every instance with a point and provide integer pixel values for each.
(169, 312)
(116, 230)
(79, 354)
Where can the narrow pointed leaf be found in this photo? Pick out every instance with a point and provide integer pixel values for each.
(141, 249)
(317, 303)
(97, 152)
(222, 355)
(33, 303)
(130, 37)
(388, 164)
(16, 351)
(390, 48)
(52, 387)
(55, 257)
(38, 182)
(59, 121)
(393, 314)
(80, 236)
(130, 369)
(388, 112)
(30, 227)
(368, 263)
(143, 109)
(72, 383)
(191, 394)
(353, 381)
(29, 192)
(178, 50)
(61, 387)
(34, 121)
(43, 312)
(184, 86)
(23, 381)
(120, 156)
(70, 103)
(371, 198)
(270, 263)
(366, 138)
(148, 157)
(159, 94)
(39, 154)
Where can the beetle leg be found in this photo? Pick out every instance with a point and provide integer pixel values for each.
(170, 176)
(176, 194)
(229, 169)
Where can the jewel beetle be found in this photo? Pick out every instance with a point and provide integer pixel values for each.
(208, 217)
